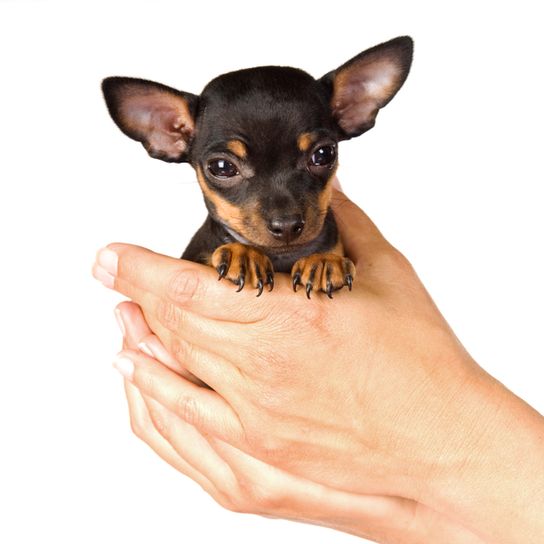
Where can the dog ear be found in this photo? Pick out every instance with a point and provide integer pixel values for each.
(159, 117)
(367, 83)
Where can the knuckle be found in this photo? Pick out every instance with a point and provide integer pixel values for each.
(268, 500)
(310, 319)
(233, 504)
(266, 447)
(168, 315)
(259, 497)
(181, 349)
(187, 408)
(250, 495)
(146, 383)
(227, 495)
(264, 400)
(182, 286)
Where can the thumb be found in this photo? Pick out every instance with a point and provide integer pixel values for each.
(358, 233)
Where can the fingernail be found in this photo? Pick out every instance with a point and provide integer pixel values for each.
(146, 349)
(125, 366)
(108, 260)
(153, 347)
(102, 276)
(120, 321)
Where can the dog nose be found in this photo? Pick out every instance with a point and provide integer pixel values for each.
(286, 229)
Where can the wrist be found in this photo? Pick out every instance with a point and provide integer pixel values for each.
(492, 479)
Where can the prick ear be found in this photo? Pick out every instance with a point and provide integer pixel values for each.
(159, 117)
(367, 83)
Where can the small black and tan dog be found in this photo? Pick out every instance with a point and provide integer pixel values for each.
(263, 142)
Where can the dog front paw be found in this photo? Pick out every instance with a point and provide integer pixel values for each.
(243, 265)
(323, 272)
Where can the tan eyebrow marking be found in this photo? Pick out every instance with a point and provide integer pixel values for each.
(304, 141)
(238, 148)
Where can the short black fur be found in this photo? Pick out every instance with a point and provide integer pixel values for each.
(263, 142)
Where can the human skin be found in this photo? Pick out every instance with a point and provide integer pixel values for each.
(242, 483)
(368, 394)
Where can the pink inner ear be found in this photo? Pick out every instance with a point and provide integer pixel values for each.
(361, 89)
(378, 79)
(161, 121)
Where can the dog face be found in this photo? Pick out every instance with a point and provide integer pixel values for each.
(263, 141)
(264, 154)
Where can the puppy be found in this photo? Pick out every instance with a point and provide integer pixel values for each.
(264, 145)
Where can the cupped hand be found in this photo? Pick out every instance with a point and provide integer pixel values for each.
(370, 384)
(242, 483)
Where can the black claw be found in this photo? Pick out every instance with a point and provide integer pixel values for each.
(241, 283)
(296, 281)
(328, 272)
(349, 281)
(329, 288)
(309, 284)
(270, 280)
(259, 277)
(222, 269)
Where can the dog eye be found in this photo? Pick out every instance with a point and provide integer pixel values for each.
(324, 156)
(221, 168)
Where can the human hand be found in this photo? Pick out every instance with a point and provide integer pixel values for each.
(242, 483)
(372, 379)
(370, 394)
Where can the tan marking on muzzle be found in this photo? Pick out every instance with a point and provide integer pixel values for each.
(228, 212)
(324, 199)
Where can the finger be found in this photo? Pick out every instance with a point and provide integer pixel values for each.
(190, 445)
(131, 269)
(222, 466)
(139, 336)
(144, 429)
(203, 408)
(189, 360)
(378, 515)
(132, 323)
(360, 236)
(184, 340)
(169, 320)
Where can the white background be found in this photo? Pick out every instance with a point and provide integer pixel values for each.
(452, 174)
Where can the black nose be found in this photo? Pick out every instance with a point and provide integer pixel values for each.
(286, 229)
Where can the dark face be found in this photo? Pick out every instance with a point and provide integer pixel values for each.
(263, 141)
(265, 150)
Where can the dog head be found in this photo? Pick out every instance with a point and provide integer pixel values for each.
(263, 141)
